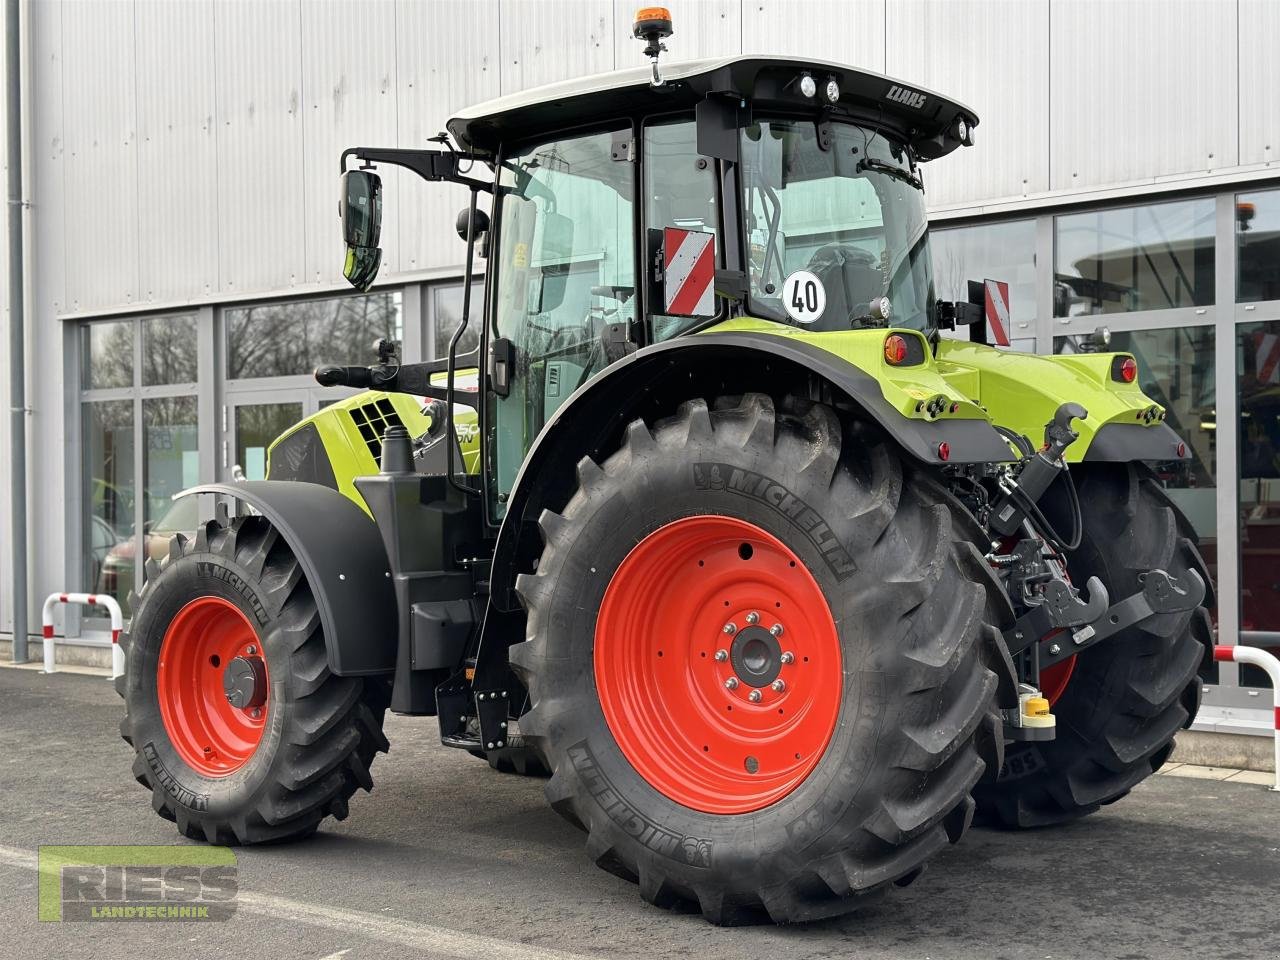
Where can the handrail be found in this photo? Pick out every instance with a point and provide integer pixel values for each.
(92, 600)
(1269, 663)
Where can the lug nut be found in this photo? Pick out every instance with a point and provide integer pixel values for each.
(256, 713)
(754, 696)
(722, 655)
(731, 628)
(776, 629)
(778, 686)
(1054, 649)
(252, 650)
(753, 617)
(787, 657)
(731, 683)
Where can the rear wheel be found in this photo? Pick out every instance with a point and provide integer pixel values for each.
(757, 662)
(241, 733)
(1120, 703)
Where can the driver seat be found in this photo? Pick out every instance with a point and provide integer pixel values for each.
(852, 279)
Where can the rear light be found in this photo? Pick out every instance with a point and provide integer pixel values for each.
(1124, 369)
(944, 451)
(1182, 449)
(895, 349)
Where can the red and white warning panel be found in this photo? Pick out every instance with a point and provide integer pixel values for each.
(1268, 357)
(997, 308)
(689, 272)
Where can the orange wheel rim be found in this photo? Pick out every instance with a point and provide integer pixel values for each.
(718, 665)
(212, 686)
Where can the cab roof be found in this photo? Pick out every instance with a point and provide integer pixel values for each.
(926, 120)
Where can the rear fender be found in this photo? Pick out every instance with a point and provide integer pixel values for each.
(1022, 391)
(652, 382)
(341, 553)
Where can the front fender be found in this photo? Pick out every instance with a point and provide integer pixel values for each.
(653, 381)
(341, 554)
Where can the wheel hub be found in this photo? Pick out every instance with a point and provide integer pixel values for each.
(756, 656)
(245, 682)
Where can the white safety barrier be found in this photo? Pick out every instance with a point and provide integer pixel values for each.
(92, 600)
(1269, 663)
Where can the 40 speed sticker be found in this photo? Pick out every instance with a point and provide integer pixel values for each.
(803, 297)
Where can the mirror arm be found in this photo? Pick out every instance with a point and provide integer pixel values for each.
(430, 165)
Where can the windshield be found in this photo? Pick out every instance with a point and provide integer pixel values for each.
(852, 215)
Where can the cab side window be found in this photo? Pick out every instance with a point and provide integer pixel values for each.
(679, 191)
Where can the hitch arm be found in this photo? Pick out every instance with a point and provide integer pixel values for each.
(1160, 593)
(1061, 609)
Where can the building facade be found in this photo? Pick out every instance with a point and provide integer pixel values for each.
(183, 251)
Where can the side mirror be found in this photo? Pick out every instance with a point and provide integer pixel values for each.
(361, 210)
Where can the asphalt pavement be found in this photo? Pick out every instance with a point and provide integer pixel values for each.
(447, 858)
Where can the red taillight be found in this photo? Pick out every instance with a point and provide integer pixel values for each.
(895, 349)
(1124, 370)
(1182, 449)
(944, 451)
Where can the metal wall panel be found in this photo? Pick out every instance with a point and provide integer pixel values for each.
(1140, 89)
(101, 182)
(448, 58)
(946, 45)
(704, 28)
(1259, 81)
(846, 31)
(349, 95)
(551, 40)
(177, 151)
(6, 541)
(261, 235)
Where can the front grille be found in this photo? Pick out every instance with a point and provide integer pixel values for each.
(372, 420)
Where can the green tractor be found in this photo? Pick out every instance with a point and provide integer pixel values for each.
(780, 585)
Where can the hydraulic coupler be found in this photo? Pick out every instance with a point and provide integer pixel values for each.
(1038, 471)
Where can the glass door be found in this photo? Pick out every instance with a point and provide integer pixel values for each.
(251, 424)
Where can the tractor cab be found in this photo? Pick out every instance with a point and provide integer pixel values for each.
(637, 206)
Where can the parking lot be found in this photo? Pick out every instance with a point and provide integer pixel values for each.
(448, 859)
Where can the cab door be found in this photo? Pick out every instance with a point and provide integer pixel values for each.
(566, 279)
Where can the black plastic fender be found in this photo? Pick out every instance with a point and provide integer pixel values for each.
(1123, 442)
(655, 379)
(341, 553)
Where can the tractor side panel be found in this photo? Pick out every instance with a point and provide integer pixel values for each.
(343, 441)
(1021, 392)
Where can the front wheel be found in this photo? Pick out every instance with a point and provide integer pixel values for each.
(757, 658)
(240, 731)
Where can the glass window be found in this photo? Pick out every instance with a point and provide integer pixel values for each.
(290, 339)
(1258, 246)
(446, 315)
(170, 463)
(109, 497)
(679, 191)
(1258, 374)
(169, 350)
(852, 213)
(992, 251)
(257, 426)
(1134, 258)
(566, 238)
(107, 354)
